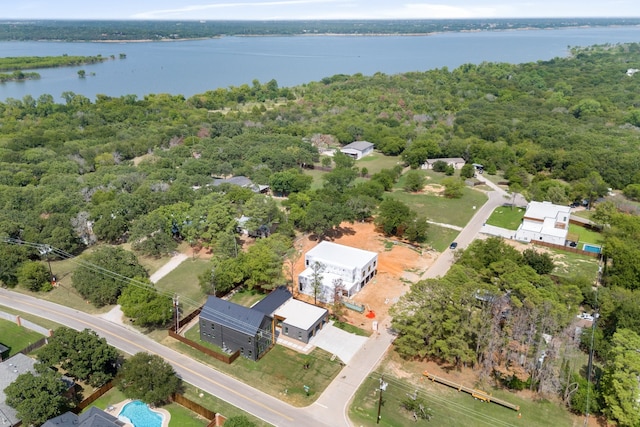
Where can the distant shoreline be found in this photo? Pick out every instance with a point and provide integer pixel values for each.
(425, 34)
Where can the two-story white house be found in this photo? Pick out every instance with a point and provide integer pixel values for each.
(342, 269)
(544, 222)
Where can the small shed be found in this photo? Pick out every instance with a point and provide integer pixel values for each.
(358, 149)
(300, 320)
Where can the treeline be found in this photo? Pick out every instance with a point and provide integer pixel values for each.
(17, 76)
(167, 30)
(32, 62)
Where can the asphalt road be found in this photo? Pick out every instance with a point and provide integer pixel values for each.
(331, 407)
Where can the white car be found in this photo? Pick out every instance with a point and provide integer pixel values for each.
(585, 316)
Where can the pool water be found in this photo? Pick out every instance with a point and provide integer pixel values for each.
(139, 414)
(591, 248)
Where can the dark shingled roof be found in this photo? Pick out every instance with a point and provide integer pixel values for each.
(92, 417)
(233, 316)
(273, 301)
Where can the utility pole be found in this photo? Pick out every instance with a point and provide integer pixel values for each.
(383, 387)
(176, 304)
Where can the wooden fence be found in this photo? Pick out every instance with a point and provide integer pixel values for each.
(93, 397)
(193, 406)
(28, 349)
(226, 358)
(567, 249)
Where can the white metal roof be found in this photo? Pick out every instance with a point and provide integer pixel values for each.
(299, 314)
(358, 145)
(333, 253)
(542, 210)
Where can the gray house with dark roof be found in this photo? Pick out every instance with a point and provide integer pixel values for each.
(234, 327)
(10, 369)
(92, 417)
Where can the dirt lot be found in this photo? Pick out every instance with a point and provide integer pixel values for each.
(398, 266)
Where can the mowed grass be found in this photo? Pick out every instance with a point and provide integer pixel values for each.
(449, 407)
(440, 209)
(184, 281)
(247, 298)
(280, 372)
(317, 175)
(506, 217)
(377, 161)
(586, 235)
(16, 337)
(439, 238)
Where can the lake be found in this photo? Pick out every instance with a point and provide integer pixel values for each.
(192, 67)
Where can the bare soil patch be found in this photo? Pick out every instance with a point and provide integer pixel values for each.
(396, 262)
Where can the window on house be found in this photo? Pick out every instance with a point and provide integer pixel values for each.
(249, 340)
(250, 353)
(242, 350)
(286, 330)
(213, 326)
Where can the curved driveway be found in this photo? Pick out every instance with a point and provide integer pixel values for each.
(331, 407)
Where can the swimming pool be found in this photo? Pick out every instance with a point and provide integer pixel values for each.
(592, 248)
(139, 414)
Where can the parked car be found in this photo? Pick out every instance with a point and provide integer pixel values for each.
(453, 245)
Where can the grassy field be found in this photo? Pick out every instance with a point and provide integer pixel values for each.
(184, 280)
(439, 209)
(280, 372)
(569, 264)
(16, 337)
(449, 407)
(376, 161)
(439, 238)
(506, 217)
(317, 175)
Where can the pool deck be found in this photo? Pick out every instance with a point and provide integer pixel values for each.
(117, 408)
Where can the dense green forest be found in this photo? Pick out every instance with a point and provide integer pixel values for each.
(171, 30)
(142, 171)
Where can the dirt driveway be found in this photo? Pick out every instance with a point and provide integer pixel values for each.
(398, 267)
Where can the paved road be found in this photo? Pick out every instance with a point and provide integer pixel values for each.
(331, 407)
(209, 380)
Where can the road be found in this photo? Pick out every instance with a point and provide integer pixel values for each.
(331, 407)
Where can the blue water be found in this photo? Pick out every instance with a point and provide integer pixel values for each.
(591, 248)
(192, 67)
(140, 415)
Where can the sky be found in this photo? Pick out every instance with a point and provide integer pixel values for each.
(313, 9)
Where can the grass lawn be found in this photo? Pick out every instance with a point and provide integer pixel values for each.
(184, 280)
(439, 238)
(377, 161)
(16, 337)
(506, 217)
(317, 175)
(439, 209)
(351, 329)
(247, 297)
(569, 264)
(280, 372)
(586, 235)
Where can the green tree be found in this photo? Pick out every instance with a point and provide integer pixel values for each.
(393, 217)
(467, 171)
(148, 378)
(103, 274)
(620, 379)
(453, 188)
(38, 398)
(83, 355)
(416, 230)
(414, 181)
(541, 262)
(145, 305)
(263, 262)
(34, 276)
(316, 279)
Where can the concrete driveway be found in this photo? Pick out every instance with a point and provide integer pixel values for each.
(336, 341)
